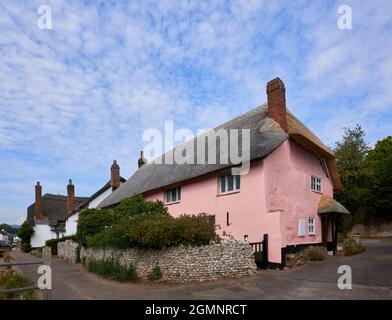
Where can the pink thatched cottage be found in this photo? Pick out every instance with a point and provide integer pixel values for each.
(287, 193)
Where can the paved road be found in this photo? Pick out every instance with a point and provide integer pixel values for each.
(371, 271)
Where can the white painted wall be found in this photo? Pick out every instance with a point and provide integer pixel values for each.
(72, 222)
(42, 233)
(99, 199)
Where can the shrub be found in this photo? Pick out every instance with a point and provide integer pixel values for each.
(137, 206)
(52, 243)
(351, 247)
(109, 237)
(194, 230)
(91, 222)
(315, 253)
(151, 232)
(155, 273)
(112, 269)
(25, 232)
(164, 231)
(10, 280)
(136, 222)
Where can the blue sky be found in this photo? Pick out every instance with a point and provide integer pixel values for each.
(76, 97)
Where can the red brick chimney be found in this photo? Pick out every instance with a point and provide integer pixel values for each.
(70, 196)
(115, 175)
(38, 202)
(276, 99)
(142, 161)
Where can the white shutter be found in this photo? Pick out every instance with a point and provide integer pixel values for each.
(301, 227)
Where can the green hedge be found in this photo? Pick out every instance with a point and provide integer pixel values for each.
(91, 222)
(52, 243)
(157, 232)
(109, 237)
(165, 231)
(136, 222)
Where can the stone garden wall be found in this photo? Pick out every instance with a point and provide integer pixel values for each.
(182, 264)
(376, 230)
(67, 250)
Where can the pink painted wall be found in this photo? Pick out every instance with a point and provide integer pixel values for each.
(273, 196)
(245, 207)
(288, 172)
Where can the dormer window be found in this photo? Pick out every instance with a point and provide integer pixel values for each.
(315, 184)
(173, 195)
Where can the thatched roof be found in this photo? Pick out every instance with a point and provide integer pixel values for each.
(54, 207)
(265, 137)
(302, 135)
(330, 205)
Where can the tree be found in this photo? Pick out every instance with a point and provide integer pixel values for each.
(25, 232)
(90, 222)
(7, 228)
(379, 161)
(350, 153)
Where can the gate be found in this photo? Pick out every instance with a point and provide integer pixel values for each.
(47, 255)
(260, 251)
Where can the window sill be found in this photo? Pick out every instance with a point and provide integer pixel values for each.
(227, 193)
(311, 234)
(319, 192)
(170, 203)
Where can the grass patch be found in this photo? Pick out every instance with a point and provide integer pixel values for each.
(112, 269)
(11, 280)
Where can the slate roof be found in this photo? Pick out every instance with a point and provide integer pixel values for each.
(54, 207)
(265, 137)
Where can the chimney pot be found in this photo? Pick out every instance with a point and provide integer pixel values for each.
(115, 175)
(70, 196)
(38, 202)
(276, 99)
(142, 161)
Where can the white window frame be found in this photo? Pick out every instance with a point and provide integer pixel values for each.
(169, 195)
(301, 228)
(315, 184)
(236, 183)
(311, 226)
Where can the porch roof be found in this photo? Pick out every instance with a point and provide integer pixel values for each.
(330, 205)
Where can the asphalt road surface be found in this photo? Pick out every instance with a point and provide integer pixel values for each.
(371, 279)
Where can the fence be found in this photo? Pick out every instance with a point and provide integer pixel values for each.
(46, 260)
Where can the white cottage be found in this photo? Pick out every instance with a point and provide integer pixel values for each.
(115, 181)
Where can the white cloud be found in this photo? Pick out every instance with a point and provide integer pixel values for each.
(76, 97)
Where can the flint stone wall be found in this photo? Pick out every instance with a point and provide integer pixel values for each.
(67, 250)
(182, 264)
